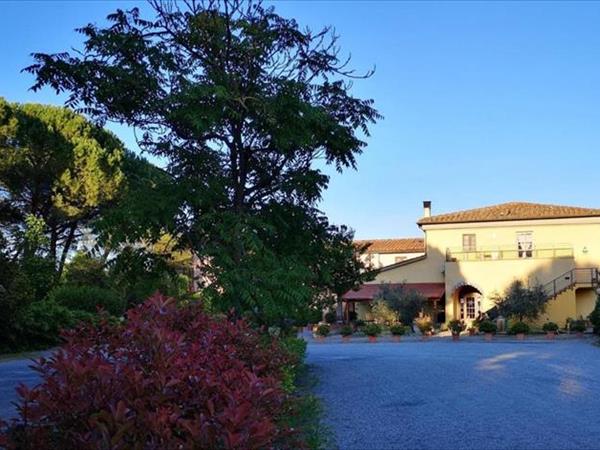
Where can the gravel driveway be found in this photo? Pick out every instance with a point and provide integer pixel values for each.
(465, 395)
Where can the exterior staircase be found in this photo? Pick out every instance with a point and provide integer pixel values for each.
(578, 277)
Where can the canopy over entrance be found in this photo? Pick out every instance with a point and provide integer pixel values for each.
(368, 292)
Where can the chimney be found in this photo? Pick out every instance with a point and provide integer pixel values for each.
(426, 208)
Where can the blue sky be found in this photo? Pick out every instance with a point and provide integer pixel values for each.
(484, 102)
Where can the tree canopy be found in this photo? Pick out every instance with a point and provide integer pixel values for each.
(247, 108)
(407, 303)
(522, 301)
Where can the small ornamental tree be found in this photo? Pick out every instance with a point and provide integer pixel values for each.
(170, 378)
(407, 303)
(595, 316)
(522, 302)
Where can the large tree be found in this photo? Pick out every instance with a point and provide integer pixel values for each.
(247, 107)
(57, 170)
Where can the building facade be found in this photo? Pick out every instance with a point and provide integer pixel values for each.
(472, 256)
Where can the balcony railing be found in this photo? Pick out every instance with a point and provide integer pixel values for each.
(509, 252)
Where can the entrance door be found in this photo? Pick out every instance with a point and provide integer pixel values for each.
(469, 308)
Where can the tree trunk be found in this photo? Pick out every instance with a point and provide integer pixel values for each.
(65, 251)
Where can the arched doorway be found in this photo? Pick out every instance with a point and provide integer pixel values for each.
(467, 303)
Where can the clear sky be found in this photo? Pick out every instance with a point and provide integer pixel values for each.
(484, 102)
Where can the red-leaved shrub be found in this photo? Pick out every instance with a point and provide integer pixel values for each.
(170, 377)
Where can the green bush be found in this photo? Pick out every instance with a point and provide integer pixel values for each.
(456, 326)
(346, 330)
(398, 330)
(372, 329)
(519, 327)
(578, 326)
(424, 325)
(88, 298)
(83, 270)
(487, 326)
(595, 316)
(330, 317)
(41, 322)
(323, 330)
(550, 326)
(359, 323)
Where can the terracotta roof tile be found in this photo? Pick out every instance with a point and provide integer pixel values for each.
(404, 245)
(511, 211)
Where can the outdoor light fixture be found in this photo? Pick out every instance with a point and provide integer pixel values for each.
(584, 250)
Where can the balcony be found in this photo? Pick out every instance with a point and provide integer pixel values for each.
(509, 252)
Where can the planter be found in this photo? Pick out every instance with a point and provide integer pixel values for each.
(396, 337)
(550, 335)
(520, 336)
(372, 339)
(489, 336)
(471, 332)
(425, 337)
(456, 337)
(345, 339)
(579, 334)
(320, 339)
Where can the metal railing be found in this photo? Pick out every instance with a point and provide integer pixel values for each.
(588, 276)
(509, 252)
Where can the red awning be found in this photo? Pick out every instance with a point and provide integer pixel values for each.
(367, 292)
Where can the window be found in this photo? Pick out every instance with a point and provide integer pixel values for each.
(399, 258)
(469, 244)
(525, 244)
(471, 307)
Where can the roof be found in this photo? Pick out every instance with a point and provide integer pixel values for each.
(511, 211)
(368, 292)
(403, 245)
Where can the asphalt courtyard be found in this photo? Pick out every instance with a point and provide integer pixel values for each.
(460, 395)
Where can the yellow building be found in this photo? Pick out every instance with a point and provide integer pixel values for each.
(473, 255)
(384, 252)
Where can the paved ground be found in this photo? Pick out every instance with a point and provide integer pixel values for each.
(12, 372)
(467, 395)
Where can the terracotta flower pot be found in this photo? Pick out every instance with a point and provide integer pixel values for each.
(489, 336)
(425, 337)
(550, 335)
(396, 337)
(520, 336)
(345, 339)
(471, 332)
(372, 339)
(456, 337)
(319, 338)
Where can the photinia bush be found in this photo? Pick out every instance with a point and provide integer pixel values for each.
(170, 377)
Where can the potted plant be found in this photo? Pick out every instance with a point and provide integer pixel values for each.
(330, 317)
(425, 327)
(489, 328)
(322, 332)
(472, 331)
(550, 328)
(372, 330)
(520, 329)
(456, 327)
(397, 331)
(346, 332)
(578, 326)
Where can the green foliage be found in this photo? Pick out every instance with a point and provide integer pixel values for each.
(346, 330)
(550, 326)
(522, 302)
(424, 325)
(456, 326)
(488, 326)
(372, 329)
(136, 274)
(57, 171)
(330, 317)
(578, 326)
(323, 330)
(88, 298)
(519, 327)
(398, 330)
(382, 313)
(40, 323)
(407, 303)
(241, 102)
(595, 316)
(84, 270)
